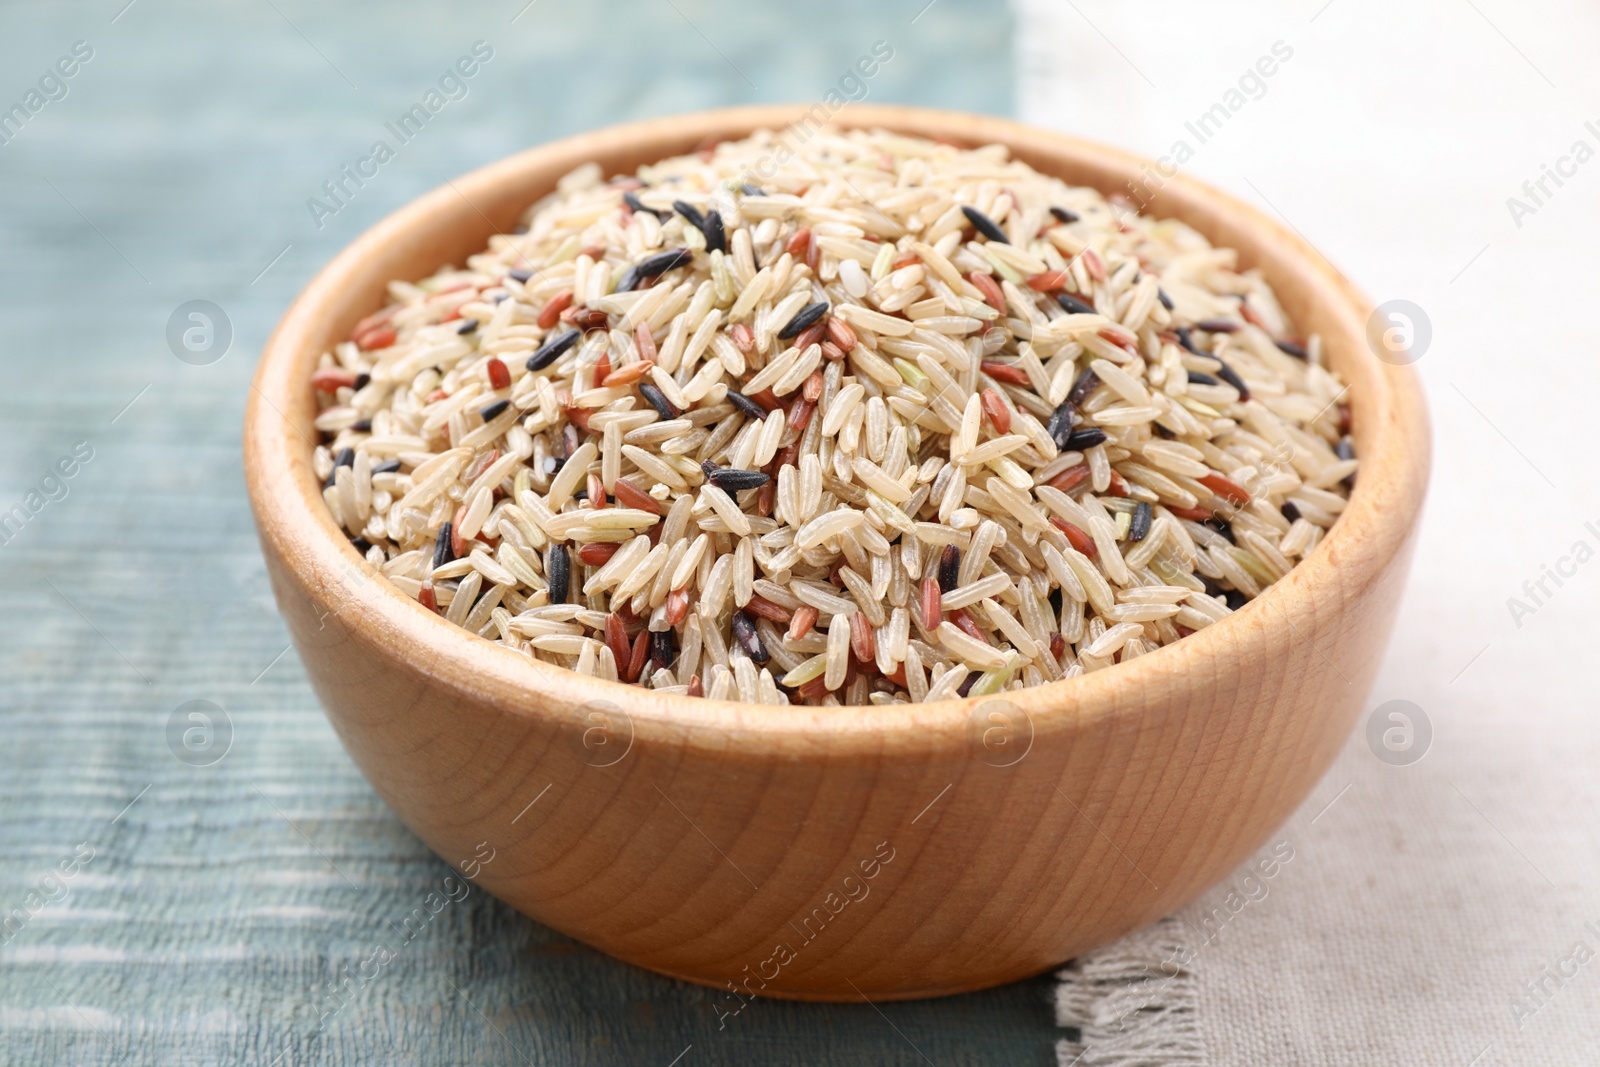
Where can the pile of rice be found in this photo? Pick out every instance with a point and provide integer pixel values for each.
(902, 422)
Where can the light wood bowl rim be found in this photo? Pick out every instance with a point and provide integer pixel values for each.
(1387, 402)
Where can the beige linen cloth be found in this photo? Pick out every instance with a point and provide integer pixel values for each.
(1448, 911)
(1402, 928)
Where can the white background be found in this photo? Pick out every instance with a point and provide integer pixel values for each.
(1423, 898)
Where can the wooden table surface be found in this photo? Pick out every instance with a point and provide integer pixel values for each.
(155, 911)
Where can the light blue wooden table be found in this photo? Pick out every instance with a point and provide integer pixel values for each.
(155, 911)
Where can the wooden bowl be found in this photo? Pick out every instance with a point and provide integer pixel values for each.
(837, 853)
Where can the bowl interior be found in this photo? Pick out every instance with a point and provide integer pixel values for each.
(448, 224)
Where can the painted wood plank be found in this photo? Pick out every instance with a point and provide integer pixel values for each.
(212, 912)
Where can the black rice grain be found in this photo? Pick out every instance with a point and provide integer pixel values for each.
(388, 466)
(1072, 305)
(1061, 422)
(985, 225)
(653, 266)
(443, 552)
(1083, 388)
(1063, 215)
(559, 566)
(746, 405)
(1289, 511)
(804, 319)
(662, 262)
(551, 350)
(1087, 437)
(1140, 525)
(345, 458)
(716, 233)
(658, 400)
(1346, 449)
(637, 205)
(1226, 373)
(949, 568)
(744, 632)
(495, 410)
(733, 480)
(691, 214)
(1297, 351)
(1199, 378)
(467, 326)
(663, 649)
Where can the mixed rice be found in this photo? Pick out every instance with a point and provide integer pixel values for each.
(901, 421)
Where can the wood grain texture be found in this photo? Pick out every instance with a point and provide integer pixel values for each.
(704, 850)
